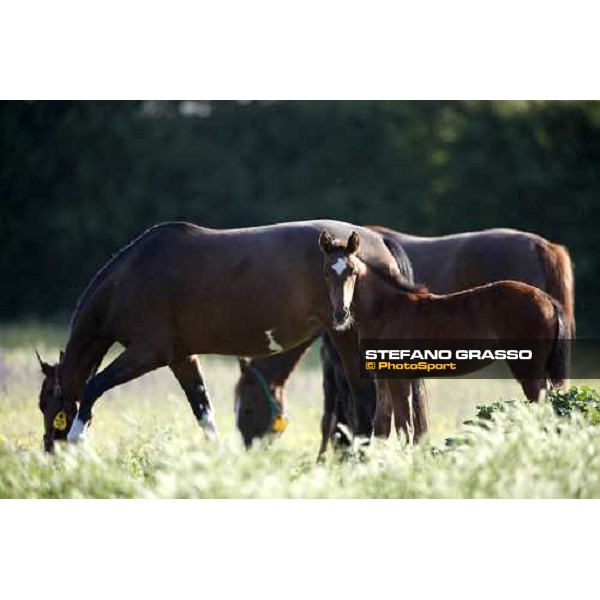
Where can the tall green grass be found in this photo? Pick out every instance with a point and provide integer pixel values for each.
(144, 443)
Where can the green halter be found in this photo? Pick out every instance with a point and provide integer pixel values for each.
(279, 422)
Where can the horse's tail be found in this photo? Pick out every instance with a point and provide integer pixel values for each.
(420, 407)
(559, 359)
(560, 284)
(419, 391)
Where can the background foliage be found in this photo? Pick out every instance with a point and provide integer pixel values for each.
(79, 179)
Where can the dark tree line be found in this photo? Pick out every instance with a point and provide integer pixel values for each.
(79, 179)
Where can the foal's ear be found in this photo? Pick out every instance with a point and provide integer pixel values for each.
(244, 363)
(326, 242)
(353, 243)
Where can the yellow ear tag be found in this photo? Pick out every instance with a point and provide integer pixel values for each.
(60, 421)
(279, 424)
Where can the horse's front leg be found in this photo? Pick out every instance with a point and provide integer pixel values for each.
(363, 396)
(134, 361)
(328, 420)
(400, 391)
(420, 409)
(188, 374)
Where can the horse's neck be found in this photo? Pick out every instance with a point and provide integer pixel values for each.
(277, 368)
(376, 299)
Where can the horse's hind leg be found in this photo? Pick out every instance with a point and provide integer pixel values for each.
(134, 361)
(534, 389)
(189, 375)
(383, 411)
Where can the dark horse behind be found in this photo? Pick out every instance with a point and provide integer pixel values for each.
(179, 290)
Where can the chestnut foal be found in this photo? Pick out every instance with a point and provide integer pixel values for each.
(384, 306)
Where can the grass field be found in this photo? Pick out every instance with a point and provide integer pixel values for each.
(144, 443)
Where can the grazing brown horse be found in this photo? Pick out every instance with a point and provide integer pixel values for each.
(264, 378)
(446, 264)
(179, 290)
(385, 307)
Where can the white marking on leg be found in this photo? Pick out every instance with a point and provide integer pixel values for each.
(76, 431)
(339, 266)
(236, 409)
(273, 345)
(209, 424)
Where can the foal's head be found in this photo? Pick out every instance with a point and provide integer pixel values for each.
(341, 267)
(258, 404)
(58, 413)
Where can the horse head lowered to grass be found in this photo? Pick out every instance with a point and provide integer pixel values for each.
(179, 290)
(58, 415)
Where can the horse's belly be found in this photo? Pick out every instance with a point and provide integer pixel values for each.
(247, 335)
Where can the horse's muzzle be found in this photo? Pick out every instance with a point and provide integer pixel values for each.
(342, 319)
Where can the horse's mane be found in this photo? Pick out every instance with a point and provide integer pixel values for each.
(104, 270)
(403, 279)
(396, 280)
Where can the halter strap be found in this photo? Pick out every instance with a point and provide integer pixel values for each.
(56, 388)
(266, 390)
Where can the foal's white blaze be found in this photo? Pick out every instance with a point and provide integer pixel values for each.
(274, 346)
(339, 266)
(347, 297)
(348, 294)
(76, 430)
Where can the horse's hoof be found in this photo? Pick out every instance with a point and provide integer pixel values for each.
(209, 427)
(342, 436)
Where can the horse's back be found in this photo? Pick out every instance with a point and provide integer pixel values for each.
(206, 287)
(465, 260)
(289, 235)
(500, 254)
